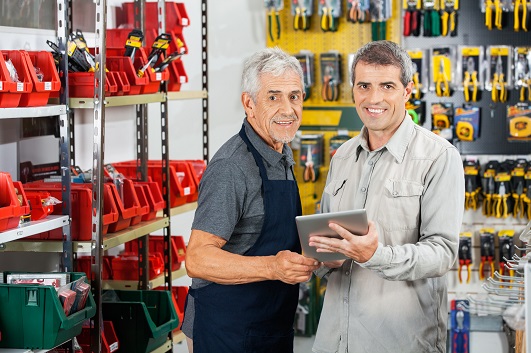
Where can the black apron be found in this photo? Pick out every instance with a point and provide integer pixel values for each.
(254, 317)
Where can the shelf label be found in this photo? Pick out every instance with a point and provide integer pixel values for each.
(182, 79)
(185, 22)
(47, 86)
(158, 76)
(186, 191)
(113, 347)
(20, 86)
(1, 85)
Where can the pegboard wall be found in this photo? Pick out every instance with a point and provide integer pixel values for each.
(471, 31)
(347, 39)
(319, 116)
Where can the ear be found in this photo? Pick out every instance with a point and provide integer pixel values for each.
(248, 104)
(408, 91)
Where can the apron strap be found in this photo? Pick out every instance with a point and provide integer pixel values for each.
(256, 155)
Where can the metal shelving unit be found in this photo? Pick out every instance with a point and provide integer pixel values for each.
(34, 227)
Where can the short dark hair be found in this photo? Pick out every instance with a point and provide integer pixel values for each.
(384, 53)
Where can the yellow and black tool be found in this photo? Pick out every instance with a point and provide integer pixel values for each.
(329, 20)
(301, 20)
(472, 187)
(518, 193)
(486, 238)
(499, 85)
(506, 248)
(498, 13)
(520, 5)
(464, 131)
(442, 85)
(489, 4)
(501, 195)
(520, 126)
(489, 187)
(273, 26)
(465, 255)
(470, 81)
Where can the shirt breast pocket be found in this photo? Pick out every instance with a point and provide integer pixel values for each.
(400, 205)
(335, 190)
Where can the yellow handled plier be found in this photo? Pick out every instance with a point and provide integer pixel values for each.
(526, 84)
(499, 86)
(488, 14)
(517, 5)
(442, 87)
(498, 11)
(273, 12)
(470, 80)
(328, 21)
(301, 20)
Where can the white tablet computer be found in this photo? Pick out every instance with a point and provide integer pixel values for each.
(317, 224)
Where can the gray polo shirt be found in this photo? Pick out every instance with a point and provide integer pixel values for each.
(230, 203)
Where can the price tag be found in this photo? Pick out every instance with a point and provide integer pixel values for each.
(1, 85)
(158, 76)
(20, 86)
(182, 79)
(47, 86)
(186, 191)
(185, 22)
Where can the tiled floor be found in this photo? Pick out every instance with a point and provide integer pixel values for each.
(302, 345)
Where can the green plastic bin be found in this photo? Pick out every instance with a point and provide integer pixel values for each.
(32, 317)
(142, 319)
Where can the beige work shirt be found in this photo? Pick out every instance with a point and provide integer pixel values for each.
(413, 188)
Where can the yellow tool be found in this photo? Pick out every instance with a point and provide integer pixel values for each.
(488, 14)
(517, 5)
(520, 126)
(442, 87)
(441, 121)
(498, 14)
(471, 78)
(499, 86)
(328, 21)
(465, 132)
(416, 84)
(526, 84)
(300, 20)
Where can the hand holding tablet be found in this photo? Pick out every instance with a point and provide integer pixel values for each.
(355, 221)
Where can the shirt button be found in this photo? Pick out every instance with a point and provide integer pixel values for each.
(347, 273)
(395, 193)
(371, 162)
(363, 189)
(345, 300)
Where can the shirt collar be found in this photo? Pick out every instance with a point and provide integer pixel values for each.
(397, 144)
(271, 156)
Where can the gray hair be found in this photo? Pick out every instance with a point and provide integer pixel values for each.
(385, 53)
(270, 60)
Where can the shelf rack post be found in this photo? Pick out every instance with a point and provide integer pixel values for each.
(204, 55)
(97, 170)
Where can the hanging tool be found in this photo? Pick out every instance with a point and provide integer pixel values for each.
(379, 18)
(329, 20)
(472, 186)
(506, 248)
(489, 4)
(471, 80)
(520, 5)
(416, 83)
(523, 72)
(498, 12)
(330, 90)
(309, 171)
(465, 255)
(488, 201)
(487, 252)
(432, 19)
(301, 20)
(412, 17)
(527, 196)
(499, 86)
(460, 319)
(518, 185)
(273, 13)
(442, 88)
(354, 13)
(453, 16)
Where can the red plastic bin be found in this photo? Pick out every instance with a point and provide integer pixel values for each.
(176, 15)
(122, 83)
(119, 63)
(11, 207)
(81, 205)
(125, 266)
(179, 189)
(36, 201)
(144, 204)
(49, 82)
(9, 97)
(128, 207)
(153, 197)
(83, 264)
(19, 90)
(150, 82)
(109, 339)
(81, 84)
(156, 246)
(178, 76)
